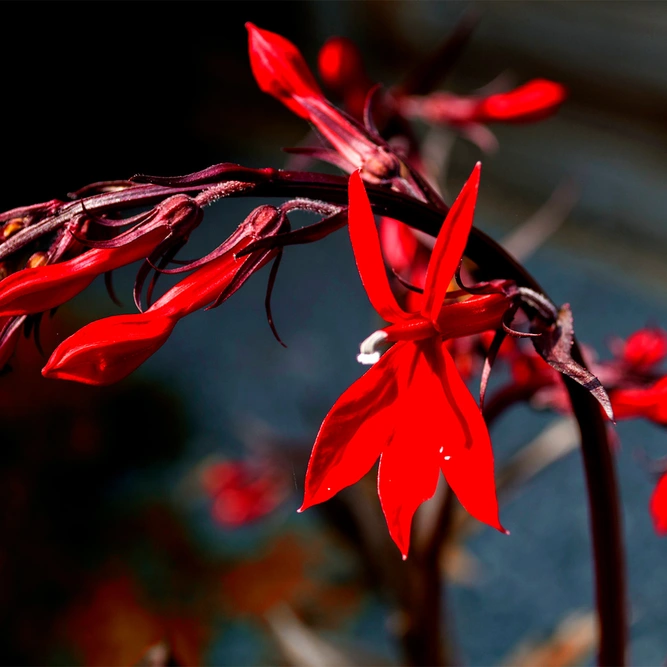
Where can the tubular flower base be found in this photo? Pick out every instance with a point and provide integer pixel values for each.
(412, 409)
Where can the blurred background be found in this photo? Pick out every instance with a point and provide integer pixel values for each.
(162, 509)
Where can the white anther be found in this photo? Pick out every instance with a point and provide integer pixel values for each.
(368, 354)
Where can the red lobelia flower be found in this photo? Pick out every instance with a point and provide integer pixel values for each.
(38, 289)
(645, 402)
(341, 67)
(532, 101)
(245, 490)
(107, 350)
(281, 71)
(412, 409)
(658, 506)
(644, 348)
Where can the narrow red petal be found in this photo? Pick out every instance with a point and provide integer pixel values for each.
(354, 431)
(107, 350)
(532, 101)
(280, 69)
(368, 254)
(466, 458)
(658, 506)
(449, 246)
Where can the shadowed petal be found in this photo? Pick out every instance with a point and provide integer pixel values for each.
(449, 246)
(367, 253)
(410, 464)
(355, 431)
(467, 458)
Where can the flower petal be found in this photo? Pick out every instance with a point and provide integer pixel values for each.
(467, 457)
(368, 254)
(354, 431)
(449, 246)
(410, 464)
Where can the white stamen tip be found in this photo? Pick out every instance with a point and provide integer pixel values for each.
(442, 449)
(368, 354)
(447, 458)
(368, 359)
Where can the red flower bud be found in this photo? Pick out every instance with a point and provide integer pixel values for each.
(108, 350)
(280, 69)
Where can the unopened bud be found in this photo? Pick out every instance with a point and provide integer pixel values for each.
(37, 259)
(13, 226)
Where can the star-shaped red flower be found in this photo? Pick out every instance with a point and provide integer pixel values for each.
(412, 409)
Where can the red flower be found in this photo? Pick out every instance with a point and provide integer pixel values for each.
(35, 290)
(645, 348)
(244, 491)
(108, 350)
(281, 71)
(412, 408)
(646, 402)
(341, 68)
(532, 101)
(658, 506)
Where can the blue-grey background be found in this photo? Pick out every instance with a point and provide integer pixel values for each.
(169, 92)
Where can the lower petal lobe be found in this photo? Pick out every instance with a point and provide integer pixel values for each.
(467, 457)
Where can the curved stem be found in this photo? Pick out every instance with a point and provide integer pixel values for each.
(603, 497)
